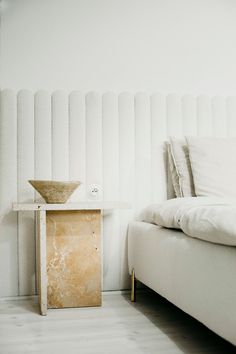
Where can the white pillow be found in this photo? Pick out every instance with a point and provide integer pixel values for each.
(213, 162)
(180, 168)
(173, 173)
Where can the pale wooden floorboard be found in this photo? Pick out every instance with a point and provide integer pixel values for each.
(151, 325)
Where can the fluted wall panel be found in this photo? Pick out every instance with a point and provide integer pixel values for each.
(116, 141)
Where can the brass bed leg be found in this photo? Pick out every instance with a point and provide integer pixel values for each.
(133, 286)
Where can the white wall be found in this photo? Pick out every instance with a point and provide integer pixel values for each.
(178, 45)
(150, 45)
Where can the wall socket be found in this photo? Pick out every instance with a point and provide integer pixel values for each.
(94, 191)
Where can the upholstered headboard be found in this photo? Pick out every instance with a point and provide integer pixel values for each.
(113, 140)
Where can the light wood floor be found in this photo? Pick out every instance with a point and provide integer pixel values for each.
(152, 325)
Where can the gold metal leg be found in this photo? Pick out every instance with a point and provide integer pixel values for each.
(133, 286)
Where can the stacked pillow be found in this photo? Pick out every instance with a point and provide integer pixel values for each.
(203, 166)
(180, 167)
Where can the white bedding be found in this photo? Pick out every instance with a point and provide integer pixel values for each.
(209, 219)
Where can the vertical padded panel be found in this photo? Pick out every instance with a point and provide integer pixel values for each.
(142, 151)
(174, 116)
(204, 118)
(93, 139)
(158, 151)
(25, 192)
(43, 135)
(42, 141)
(127, 177)
(60, 136)
(231, 115)
(219, 122)
(111, 240)
(77, 147)
(189, 111)
(174, 128)
(8, 194)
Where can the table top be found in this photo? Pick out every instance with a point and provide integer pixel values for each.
(83, 205)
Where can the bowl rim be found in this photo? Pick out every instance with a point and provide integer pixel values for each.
(44, 181)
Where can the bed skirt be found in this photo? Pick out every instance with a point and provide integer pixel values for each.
(197, 276)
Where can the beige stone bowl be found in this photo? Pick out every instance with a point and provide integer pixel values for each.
(54, 192)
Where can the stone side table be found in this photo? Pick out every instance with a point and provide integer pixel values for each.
(69, 252)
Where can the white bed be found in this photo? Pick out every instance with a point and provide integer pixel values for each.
(193, 267)
(197, 276)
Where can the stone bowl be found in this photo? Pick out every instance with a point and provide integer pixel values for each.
(55, 192)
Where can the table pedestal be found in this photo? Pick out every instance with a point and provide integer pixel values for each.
(69, 258)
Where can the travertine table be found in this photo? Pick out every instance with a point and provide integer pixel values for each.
(69, 252)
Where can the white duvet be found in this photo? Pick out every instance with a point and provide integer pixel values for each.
(209, 219)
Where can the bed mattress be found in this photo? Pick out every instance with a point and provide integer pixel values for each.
(197, 276)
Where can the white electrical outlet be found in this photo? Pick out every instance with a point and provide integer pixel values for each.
(94, 191)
